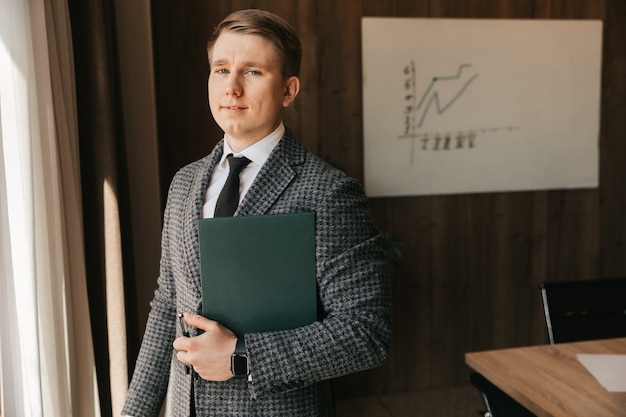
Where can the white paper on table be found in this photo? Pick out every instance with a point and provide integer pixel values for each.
(609, 370)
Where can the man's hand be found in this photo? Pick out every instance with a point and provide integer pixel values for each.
(209, 353)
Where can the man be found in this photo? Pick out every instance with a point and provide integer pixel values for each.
(254, 59)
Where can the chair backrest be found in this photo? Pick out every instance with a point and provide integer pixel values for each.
(585, 310)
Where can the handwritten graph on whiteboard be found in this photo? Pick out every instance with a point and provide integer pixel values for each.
(463, 106)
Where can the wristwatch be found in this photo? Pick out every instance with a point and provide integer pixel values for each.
(239, 359)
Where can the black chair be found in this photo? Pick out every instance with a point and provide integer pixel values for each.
(584, 310)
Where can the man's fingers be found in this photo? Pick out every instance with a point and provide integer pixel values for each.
(181, 355)
(199, 322)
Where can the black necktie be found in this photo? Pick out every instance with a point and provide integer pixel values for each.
(228, 199)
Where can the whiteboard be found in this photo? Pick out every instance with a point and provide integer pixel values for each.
(480, 105)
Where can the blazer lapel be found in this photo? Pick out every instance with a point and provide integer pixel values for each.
(194, 211)
(275, 175)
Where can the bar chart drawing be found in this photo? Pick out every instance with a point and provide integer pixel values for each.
(479, 105)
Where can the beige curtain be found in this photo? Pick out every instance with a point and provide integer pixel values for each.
(47, 362)
(80, 350)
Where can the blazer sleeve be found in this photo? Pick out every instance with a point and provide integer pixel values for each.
(354, 291)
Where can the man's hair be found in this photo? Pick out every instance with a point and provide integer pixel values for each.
(269, 26)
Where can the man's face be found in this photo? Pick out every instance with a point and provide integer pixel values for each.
(247, 91)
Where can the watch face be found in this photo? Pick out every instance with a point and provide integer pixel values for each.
(240, 365)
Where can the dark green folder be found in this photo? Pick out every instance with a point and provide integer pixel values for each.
(258, 272)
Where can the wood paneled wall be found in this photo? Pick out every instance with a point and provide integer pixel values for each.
(468, 279)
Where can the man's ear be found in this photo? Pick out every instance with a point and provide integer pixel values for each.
(292, 87)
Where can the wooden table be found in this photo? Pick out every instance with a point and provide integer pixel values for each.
(550, 381)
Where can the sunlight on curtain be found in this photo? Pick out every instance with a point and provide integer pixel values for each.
(46, 355)
(116, 315)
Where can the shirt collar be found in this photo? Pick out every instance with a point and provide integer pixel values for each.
(259, 151)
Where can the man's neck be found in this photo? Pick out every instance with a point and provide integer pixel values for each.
(238, 145)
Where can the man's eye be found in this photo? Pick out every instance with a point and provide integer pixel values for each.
(221, 71)
(254, 72)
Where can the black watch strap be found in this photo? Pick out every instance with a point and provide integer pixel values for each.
(240, 347)
(239, 365)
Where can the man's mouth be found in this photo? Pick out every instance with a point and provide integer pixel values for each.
(233, 107)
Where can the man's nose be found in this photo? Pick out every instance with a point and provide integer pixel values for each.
(234, 86)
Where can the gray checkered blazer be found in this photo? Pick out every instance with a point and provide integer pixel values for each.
(291, 370)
